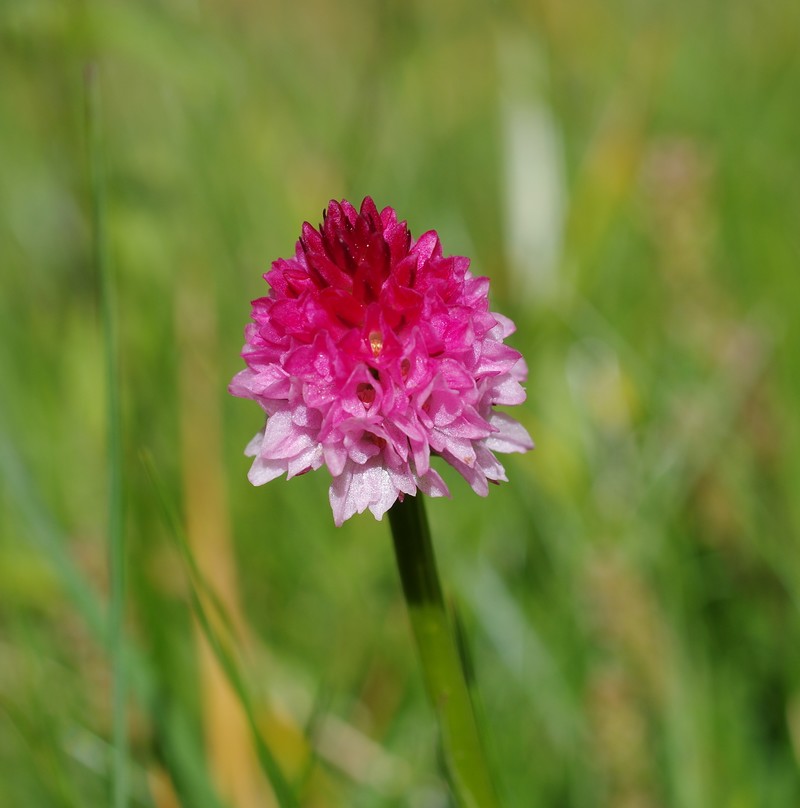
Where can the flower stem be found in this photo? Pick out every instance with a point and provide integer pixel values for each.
(441, 662)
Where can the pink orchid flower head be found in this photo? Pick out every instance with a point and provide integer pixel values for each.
(372, 352)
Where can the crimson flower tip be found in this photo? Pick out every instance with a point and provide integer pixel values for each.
(373, 351)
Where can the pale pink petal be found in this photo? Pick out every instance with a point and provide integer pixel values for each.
(342, 504)
(335, 457)
(433, 485)
(474, 475)
(359, 488)
(262, 471)
(506, 390)
(307, 460)
(386, 494)
(489, 465)
(252, 448)
(504, 328)
(511, 436)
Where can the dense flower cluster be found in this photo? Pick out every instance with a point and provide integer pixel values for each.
(372, 352)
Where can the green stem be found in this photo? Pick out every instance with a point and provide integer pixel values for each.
(116, 545)
(441, 662)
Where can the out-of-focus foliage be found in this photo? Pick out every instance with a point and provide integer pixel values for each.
(628, 176)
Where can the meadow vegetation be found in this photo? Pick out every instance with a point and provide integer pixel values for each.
(627, 175)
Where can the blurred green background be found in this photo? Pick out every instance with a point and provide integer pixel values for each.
(627, 174)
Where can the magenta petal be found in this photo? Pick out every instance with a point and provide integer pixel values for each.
(425, 246)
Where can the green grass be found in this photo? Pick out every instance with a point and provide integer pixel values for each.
(116, 515)
(630, 597)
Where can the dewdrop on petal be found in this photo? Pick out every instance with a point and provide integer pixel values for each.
(371, 352)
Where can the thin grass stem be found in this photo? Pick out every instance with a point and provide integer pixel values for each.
(218, 630)
(116, 538)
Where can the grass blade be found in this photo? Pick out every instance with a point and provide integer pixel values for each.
(116, 539)
(212, 616)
